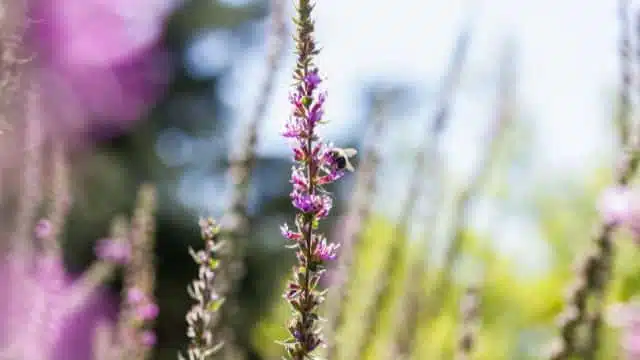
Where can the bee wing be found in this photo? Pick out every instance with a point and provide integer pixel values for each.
(349, 167)
(350, 152)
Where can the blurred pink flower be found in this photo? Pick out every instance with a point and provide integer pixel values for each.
(148, 338)
(626, 316)
(615, 205)
(620, 206)
(39, 316)
(100, 63)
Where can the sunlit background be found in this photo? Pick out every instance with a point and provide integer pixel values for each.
(159, 90)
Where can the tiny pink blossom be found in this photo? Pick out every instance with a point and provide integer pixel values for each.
(615, 205)
(43, 229)
(631, 344)
(326, 252)
(135, 296)
(148, 311)
(148, 338)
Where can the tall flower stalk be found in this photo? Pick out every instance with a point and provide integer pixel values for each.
(203, 314)
(360, 207)
(469, 308)
(594, 270)
(138, 308)
(235, 224)
(316, 164)
(393, 263)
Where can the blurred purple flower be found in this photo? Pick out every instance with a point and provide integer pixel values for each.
(39, 317)
(100, 63)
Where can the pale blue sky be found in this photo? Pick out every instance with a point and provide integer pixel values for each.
(568, 72)
(568, 65)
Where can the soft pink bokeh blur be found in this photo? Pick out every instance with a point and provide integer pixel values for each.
(100, 63)
(34, 313)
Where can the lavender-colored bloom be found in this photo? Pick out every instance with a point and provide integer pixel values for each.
(315, 166)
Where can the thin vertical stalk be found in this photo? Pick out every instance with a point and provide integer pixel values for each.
(443, 103)
(469, 307)
(433, 304)
(235, 223)
(594, 269)
(359, 211)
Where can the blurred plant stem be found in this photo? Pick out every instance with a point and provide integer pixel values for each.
(429, 307)
(469, 308)
(594, 269)
(624, 54)
(235, 223)
(357, 215)
(139, 276)
(426, 150)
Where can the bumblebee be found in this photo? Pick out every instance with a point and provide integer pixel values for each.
(341, 158)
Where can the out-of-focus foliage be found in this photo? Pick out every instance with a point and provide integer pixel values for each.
(518, 309)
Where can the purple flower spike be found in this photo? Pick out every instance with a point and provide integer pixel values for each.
(315, 166)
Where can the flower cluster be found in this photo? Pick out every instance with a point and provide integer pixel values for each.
(145, 311)
(620, 206)
(41, 303)
(316, 164)
(201, 317)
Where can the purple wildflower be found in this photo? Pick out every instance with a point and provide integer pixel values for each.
(100, 63)
(315, 166)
